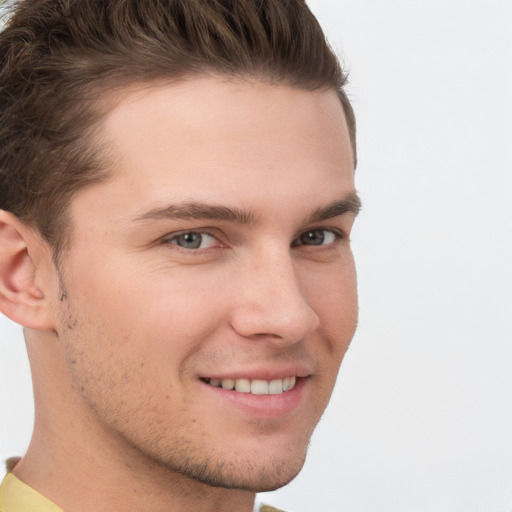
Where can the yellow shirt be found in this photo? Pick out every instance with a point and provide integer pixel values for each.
(16, 496)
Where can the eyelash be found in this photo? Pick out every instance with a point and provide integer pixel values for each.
(336, 237)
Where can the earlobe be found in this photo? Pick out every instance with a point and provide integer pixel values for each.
(21, 299)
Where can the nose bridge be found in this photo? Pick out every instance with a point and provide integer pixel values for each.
(271, 301)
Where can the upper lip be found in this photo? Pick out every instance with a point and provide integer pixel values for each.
(260, 374)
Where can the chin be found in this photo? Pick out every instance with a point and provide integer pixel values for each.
(263, 481)
(251, 475)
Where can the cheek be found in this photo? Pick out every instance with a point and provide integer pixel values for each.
(333, 296)
(332, 293)
(160, 317)
(116, 361)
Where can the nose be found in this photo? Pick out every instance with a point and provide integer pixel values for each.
(270, 303)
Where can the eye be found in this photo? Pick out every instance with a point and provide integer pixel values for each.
(317, 237)
(193, 240)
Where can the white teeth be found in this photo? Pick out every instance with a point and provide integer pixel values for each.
(275, 387)
(228, 384)
(256, 386)
(243, 385)
(288, 383)
(259, 387)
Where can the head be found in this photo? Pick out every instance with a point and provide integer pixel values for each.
(176, 180)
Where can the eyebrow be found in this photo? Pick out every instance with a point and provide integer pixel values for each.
(197, 210)
(351, 203)
(188, 211)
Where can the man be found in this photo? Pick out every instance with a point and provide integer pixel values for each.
(176, 195)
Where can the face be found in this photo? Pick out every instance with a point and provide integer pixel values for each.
(210, 285)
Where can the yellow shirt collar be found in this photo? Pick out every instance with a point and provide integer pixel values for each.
(16, 496)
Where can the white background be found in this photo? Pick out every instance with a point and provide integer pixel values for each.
(421, 419)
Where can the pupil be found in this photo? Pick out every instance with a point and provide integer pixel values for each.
(313, 237)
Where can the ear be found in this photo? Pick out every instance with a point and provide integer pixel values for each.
(23, 260)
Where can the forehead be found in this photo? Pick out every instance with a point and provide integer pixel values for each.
(212, 139)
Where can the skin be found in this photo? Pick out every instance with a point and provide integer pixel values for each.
(123, 335)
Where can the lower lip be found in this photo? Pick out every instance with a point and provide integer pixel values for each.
(265, 406)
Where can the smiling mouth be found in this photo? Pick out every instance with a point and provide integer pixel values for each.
(254, 386)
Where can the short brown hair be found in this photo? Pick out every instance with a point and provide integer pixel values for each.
(59, 56)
